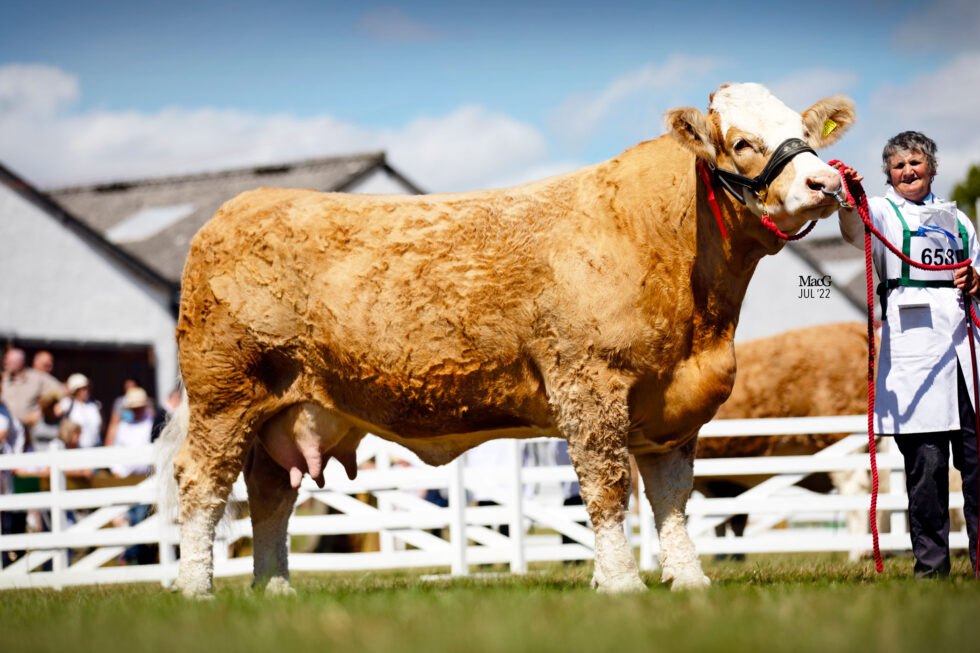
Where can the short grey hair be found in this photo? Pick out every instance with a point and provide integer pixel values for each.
(908, 142)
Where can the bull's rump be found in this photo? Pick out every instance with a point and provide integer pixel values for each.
(394, 310)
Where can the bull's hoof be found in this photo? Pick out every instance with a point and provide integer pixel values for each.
(194, 595)
(197, 592)
(622, 584)
(279, 586)
(690, 581)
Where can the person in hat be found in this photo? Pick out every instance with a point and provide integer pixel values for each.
(80, 408)
(135, 429)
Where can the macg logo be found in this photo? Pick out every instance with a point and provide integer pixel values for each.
(815, 287)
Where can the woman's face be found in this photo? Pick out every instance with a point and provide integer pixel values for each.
(911, 175)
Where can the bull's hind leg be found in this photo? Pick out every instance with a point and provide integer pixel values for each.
(270, 502)
(205, 468)
(668, 479)
(596, 425)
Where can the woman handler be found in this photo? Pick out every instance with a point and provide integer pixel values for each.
(924, 387)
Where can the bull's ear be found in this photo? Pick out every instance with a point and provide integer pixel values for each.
(692, 130)
(827, 120)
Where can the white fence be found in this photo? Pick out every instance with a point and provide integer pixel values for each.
(386, 498)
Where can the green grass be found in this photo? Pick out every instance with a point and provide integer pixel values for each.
(790, 603)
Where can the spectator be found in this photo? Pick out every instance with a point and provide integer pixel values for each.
(44, 433)
(79, 407)
(23, 386)
(43, 437)
(43, 362)
(135, 428)
(70, 437)
(11, 441)
(117, 409)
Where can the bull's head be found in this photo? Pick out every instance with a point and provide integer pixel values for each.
(748, 133)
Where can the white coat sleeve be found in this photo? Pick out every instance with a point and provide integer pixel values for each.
(851, 227)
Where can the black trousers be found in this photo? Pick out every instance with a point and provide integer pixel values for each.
(927, 483)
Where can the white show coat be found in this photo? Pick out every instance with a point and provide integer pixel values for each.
(923, 332)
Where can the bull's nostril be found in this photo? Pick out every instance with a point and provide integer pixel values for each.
(814, 185)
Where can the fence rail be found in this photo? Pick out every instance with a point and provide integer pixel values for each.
(386, 499)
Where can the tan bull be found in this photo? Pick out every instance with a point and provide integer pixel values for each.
(598, 305)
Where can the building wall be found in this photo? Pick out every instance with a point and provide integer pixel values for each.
(55, 285)
(773, 303)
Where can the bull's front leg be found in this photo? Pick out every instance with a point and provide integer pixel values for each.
(596, 425)
(669, 479)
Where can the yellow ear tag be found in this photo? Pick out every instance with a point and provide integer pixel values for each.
(829, 126)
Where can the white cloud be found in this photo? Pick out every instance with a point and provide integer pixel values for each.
(466, 148)
(578, 117)
(33, 89)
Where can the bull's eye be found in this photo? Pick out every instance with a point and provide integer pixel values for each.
(741, 146)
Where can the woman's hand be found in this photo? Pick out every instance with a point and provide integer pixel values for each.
(966, 279)
(848, 172)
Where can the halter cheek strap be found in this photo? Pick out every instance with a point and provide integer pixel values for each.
(758, 184)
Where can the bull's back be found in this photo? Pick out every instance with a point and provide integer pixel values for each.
(397, 308)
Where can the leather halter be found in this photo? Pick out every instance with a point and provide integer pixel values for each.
(758, 184)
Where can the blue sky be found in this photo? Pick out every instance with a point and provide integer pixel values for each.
(461, 95)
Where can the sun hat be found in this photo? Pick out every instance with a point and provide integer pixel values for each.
(76, 381)
(135, 398)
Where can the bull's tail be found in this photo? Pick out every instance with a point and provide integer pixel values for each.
(168, 444)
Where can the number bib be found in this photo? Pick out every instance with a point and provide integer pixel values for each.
(932, 249)
(939, 240)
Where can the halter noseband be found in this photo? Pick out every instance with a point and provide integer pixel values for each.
(758, 184)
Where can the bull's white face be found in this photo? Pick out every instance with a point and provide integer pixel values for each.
(745, 125)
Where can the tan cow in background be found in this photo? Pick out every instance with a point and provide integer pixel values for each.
(598, 305)
(819, 370)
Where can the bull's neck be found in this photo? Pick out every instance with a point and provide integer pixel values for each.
(723, 266)
(659, 198)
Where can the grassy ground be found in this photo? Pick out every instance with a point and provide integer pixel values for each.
(775, 603)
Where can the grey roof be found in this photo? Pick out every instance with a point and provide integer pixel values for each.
(191, 200)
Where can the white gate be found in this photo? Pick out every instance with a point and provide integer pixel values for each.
(386, 498)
